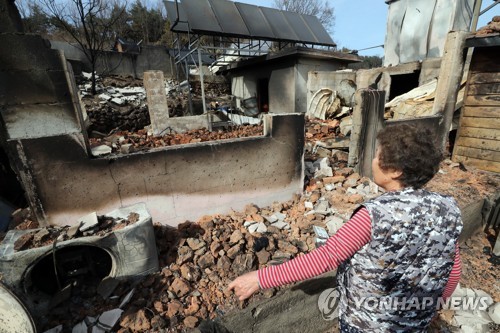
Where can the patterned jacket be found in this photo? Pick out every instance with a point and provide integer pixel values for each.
(392, 284)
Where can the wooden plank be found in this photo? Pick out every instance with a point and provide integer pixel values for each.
(493, 123)
(478, 78)
(480, 164)
(450, 77)
(483, 100)
(478, 143)
(484, 89)
(482, 111)
(480, 154)
(368, 117)
(480, 133)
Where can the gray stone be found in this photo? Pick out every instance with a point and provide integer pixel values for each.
(107, 286)
(73, 230)
(80, 328)
(329, 187)
(253, 228)
(309, 169)
(248, 223)
(107, 319)
(323, 152)
(104, 97)
(195, 243)
(127, 298)
(101, 150)
(469, 318)
(280, 216)
(119, 101)
(333, 224)
(281, 225)
(308, 205)
(88, 221)
(236, 236)
(323, 168)
(261, 228)
(323, 207)
(271, 219)
(127, 148)
(494, 313)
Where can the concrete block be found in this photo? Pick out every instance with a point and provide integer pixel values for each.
(27, 52)
(106, 320)
(35, 121)
(34, 87)
(154, 83)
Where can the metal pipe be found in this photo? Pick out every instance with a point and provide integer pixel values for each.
(475, 18)
(200, 70)
(489, 7)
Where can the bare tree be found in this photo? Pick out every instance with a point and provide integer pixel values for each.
(319, 8)
(88, 22)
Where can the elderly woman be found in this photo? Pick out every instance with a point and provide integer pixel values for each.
(401, 246)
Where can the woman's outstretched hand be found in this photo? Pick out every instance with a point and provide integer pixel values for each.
(245, 285)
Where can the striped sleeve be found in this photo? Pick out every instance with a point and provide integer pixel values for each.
(353, 235)
(454, 275)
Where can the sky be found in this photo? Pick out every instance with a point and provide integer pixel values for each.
(361, 24)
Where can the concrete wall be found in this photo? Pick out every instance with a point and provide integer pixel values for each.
(342, 82)
(304, 66)
(176, 183)
(150, 58)
(287, 81)
(282, 92)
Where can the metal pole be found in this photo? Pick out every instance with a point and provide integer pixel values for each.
(489, 7)
(200, 70)
(475, 18)
(190, 99)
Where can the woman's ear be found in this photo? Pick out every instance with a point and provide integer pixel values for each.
(395, 174)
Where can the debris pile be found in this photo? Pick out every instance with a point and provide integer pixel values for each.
(90, 225)
(127, 142)
(120, 103)
(326, 139)
(491, 28)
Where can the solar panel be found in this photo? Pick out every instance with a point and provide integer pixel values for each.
(318, 30)
(236, 19)
(279, 24)
(229, 17)
(300, 27)
(255, 21)
(182, 25)
(201, 17)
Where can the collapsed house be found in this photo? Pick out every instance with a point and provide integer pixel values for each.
(44, 134)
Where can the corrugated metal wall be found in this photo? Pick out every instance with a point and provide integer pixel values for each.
(417, 29)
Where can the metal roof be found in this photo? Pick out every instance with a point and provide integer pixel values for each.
(234, 19)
